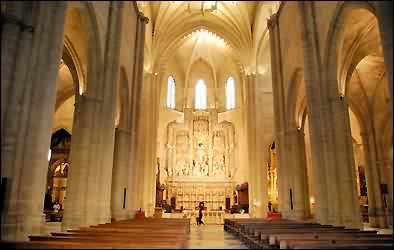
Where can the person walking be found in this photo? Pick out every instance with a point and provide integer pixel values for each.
(201, 207)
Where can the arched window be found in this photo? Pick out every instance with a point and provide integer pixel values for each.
(230, 93)
(201, 95)
(171, 92)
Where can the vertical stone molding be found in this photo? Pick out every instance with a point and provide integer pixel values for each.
(312, 79)
(16, 48)
(110, 84)
(279, 110)
(148, 166)
(251, 130)
(136, 111)
(258, 200)
(348, 198)
(385, 19)
(79, 205)
(16, 57)
(23, 213)
(120, 175)
(376, 211)
(298, 181)
(330, 135)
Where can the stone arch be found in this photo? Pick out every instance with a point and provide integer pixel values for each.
(342, 12)
(263, 62)
(93, 60)
(73, 63)
(191, 81)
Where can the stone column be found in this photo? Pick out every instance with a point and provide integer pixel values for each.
(334, 128)
(79, 203)
(16, 48)
(136, 117)
(110, 82)
(251, 141)
(279, 111)
(356, 152)
(22, 214)
(387, 171)
(155, 100)
(385, 19)
(375, 202)
(147, 122)
(16, 62)
(120, 175)
(298, 181)
(263, 137)
(349, 211)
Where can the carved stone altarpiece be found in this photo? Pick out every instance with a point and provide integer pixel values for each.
(200, 160)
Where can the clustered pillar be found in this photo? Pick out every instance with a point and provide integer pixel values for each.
(258, 195)
(376, 211)
(89, 190)
(139, 146)
(31, 58)
(331, 145)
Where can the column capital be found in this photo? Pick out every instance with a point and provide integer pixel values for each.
(290, 131)
(81, 99)
(143, 18)
(122, 130)
(10, 19)
(272, 21)
(365, 134)
(89, 98)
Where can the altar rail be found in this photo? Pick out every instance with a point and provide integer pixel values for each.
(213, 217)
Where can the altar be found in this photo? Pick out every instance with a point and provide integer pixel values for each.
(200, 164)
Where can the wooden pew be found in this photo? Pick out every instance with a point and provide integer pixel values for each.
(261, 233)
(324, 244)
(140, 233)
(83, 245)
(275, 239)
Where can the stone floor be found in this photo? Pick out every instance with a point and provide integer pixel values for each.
(380, 230)
(213, 237)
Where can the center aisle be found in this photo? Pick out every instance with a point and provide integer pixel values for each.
(213, 236)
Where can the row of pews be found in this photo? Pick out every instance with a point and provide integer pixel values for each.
(290, 234)
(135, 233)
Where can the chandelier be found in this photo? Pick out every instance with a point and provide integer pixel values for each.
(204, 6)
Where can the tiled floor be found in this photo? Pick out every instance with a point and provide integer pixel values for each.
(213, 237)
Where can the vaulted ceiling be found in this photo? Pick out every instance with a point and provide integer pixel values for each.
(171, 23)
